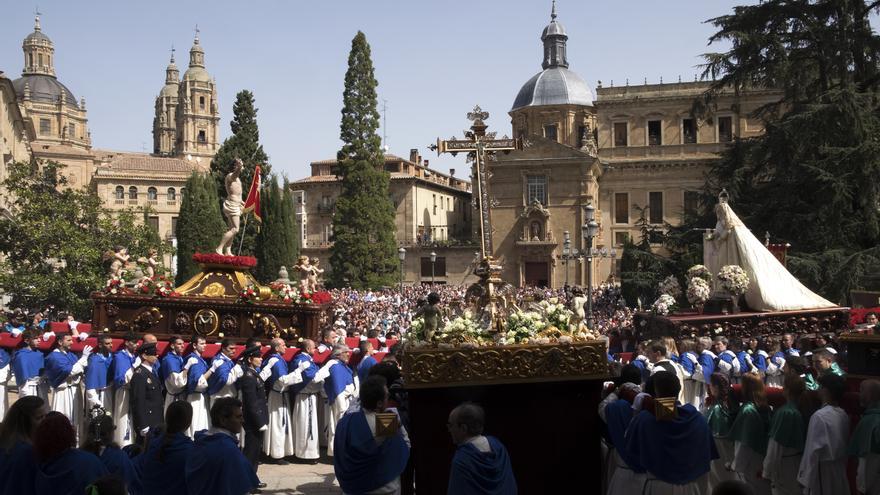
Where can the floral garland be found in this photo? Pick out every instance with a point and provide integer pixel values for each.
(158, 286)
(222, 259)
(698, 291)
(699, 271)
(664, 305)
(556, 314)
(670, 287)
(733, 279)
(290, 294)
(115, 286)
(249, 294)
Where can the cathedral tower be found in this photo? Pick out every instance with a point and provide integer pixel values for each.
(165, 122)
(198, 116)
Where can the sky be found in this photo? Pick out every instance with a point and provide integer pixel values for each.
(434, 60)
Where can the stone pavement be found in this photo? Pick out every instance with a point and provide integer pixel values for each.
(305, 479)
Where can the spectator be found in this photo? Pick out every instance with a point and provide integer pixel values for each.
(623, 472)
(17, 468)
(99, 441)
(865, 442)
(162, 465)
(215, 464)
(481, 463)
(62, 469)
(823, 466)
(786, 440)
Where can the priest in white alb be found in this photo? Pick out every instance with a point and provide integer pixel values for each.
(823, 465)
(278, 440)
(64, 370)
(304, 396)
(340, 386)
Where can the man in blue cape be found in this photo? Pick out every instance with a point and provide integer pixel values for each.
(481, 464)
(368, 458)
(304, 397)
(673, 444)
(171, 372)
(340, 386)
(64, 371)
(198, 374)
(122, 369)
(5, 359)
(98, 391)
(27, 364)
(367, 359)
(623, 472)
(222, 381)
(215, 465)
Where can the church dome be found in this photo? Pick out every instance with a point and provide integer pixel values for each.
(37, 36)
(555, 28)
(554, 86)
(196, 70)
(197, 74)
(44, 88)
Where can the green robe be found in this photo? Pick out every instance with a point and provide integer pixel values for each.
(865, 439)
(720, 420)
(787, 427)
(750, 428)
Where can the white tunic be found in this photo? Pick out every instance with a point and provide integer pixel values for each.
(278, 438)
(124, 434)
(654, 486)
(305, 422)
(781, 468)
(337, 408)
(4, 377)
(175, 386)
(868, 475)
(823, 466)
(748, 463)
(67, 396)
(199, 402)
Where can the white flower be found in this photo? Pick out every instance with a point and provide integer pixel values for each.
(698, 291)
(669, 286)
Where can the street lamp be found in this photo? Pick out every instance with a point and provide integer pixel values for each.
(566, 252)
(589, 230)
(401, 253)
(433, 259)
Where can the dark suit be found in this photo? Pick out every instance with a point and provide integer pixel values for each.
(256, 414)
(145, 402)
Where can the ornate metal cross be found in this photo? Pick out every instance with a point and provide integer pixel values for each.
(480, 145)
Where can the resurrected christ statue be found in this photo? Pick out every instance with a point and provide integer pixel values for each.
(231, 208)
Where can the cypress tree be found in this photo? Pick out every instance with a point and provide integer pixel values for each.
(244, 143)
(271, 250)
(290, 224)
(200, 224)
(364, 251)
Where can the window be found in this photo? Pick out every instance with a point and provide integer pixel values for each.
(327, 233)
(45, 127)
(71, 130)
(435, 203)
(441, 203)
(621, 207)
(173, 226)
(152, 194)
(550, 132)
(655, 133)
(620, 134)
(691, 202)
(536, 189)
(120, 192)
(439, 266)
(30, 59)
(133, 193)
(582, 135)
(392, 167)
(725, 129)
(154, 223)
(620, 238)
(655, 207)
(447, 204)
(40, 58)
(201, 102)
(172, 194)
(688, 131)
(202, 137)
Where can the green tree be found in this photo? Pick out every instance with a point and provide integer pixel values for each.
(272, 249)
(199, 225)
(641, 269)
(244, 143)
(53, 242)
(363, 252)
(811, 178)
(291, 227)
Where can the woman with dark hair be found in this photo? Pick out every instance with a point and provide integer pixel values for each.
(720, 417)
(749, 432)
(787, 433)
(62, 469)
(162, 465)
(17, 466)
(99, 441)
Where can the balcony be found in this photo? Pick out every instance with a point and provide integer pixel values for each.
(544, 240)
(132, 201)
(669, 151)
(326, 208)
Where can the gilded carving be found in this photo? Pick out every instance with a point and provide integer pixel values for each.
(214, 289)
(182, 322)
(147, 318)
(229, 325)
(206, 321)
(504, 364)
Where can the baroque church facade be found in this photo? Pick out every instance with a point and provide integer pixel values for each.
(628, 151)
(54, 126)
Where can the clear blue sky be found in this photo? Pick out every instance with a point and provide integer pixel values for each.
(434, 60)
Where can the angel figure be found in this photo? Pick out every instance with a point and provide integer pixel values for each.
(314, 274)
(150, 263)
(119, 257)
(305, 270)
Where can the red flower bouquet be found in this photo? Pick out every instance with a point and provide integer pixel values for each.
(221, 259)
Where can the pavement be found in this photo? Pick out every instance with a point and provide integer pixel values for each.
(306, 479)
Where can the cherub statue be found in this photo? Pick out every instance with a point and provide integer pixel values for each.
(432, 315)
(119, 257)
(305, 270)
(150, 263)
(314, 275)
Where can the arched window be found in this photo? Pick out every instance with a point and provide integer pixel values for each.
(120, 192)
(152, 194)
(133, 193)
(172, 194)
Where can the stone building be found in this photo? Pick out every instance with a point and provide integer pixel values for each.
(433, 214)
(16, 136)
(631, 149)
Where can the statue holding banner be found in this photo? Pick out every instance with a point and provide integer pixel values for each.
(232, 208)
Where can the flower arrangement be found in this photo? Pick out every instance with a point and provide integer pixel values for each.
(249, 294)
(733, 279)
(670, 287)
(321, 297)
(115, 285)
(222, 259)
(698, 291)
(522, 326)
(664, 305)
(556, 314)
(699, 271)
(284, 293)
(158, 286)
(463, 330)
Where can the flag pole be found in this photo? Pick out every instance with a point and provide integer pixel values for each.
(243, 228)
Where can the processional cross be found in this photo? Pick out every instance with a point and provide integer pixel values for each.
(481, 146)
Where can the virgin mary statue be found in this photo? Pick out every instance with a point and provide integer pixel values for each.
(771, 287)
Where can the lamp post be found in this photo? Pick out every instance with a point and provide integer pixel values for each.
(401, 253)
(589, 230)
(566, 252)
(433, 260)
(605, 253)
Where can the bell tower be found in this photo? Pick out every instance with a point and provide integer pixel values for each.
(198, 114)
(165, 121)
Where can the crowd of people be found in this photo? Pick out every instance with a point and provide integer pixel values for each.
(713, 414)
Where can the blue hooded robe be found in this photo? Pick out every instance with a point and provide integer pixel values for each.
(18, 469)
(340, 377)
(618, 416)
(5, 358)
(361, 463)
(216, 466)
(58, 367)
(120, 465)
(476, 473)
(26, 364)
(364, 367)
(122, 362)
(195, 372)
(707, 362)
(168, 476)
(69, 473)
(98, 371)
(217, 380)
(308, 374)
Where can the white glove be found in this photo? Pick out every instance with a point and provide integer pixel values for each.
(83, 336)
(216, 365)
(190, 363)
(87, 350)
(270, 363)
(691, 358)
(137, 362)
(264, 428)
(145, 431)
(303, 365)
